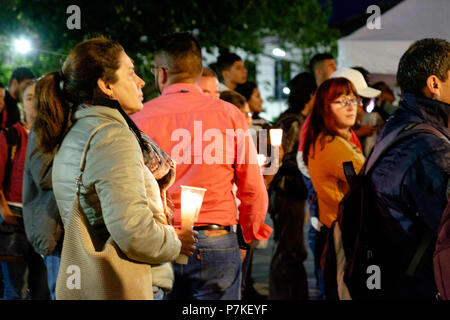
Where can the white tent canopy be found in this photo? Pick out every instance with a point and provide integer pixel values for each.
(379, 50)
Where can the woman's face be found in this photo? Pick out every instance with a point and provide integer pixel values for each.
(27, 104)
(344, 110)
(128, 87)
(255, 101)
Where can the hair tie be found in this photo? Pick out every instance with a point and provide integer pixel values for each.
(61, 80)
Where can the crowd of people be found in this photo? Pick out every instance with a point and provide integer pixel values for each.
(82, 140)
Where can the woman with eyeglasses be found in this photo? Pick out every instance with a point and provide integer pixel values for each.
(328, 145)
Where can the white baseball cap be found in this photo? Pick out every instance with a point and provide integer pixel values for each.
(355, 77)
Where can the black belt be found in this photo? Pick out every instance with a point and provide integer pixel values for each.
(213, 227)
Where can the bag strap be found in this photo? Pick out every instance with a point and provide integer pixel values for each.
(423, 246)
(394, 137)
(85, 150)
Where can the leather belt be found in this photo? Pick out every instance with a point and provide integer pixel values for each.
(213, 227)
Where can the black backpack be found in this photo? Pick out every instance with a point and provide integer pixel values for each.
(371, 237)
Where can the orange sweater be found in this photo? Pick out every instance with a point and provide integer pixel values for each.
(327, 173)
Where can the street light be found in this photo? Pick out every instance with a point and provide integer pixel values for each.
(23, 46)
(277, 52)
(286, 90)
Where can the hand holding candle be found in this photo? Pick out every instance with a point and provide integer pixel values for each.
(191, 202)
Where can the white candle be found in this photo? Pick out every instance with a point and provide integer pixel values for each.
(191, 202)
(261, 159)
(275, 137)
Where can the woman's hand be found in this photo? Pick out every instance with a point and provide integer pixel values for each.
(188, 238)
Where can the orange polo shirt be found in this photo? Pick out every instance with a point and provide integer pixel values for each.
(204, 136)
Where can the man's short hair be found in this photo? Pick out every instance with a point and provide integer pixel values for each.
(21, 74)
(208, 72)
(2, 86)
(317, 59)
(423, 59)
(226, 60)
(183, 53)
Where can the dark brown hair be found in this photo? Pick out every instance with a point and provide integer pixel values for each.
(234, 98)
(58, 92)
(322, 119)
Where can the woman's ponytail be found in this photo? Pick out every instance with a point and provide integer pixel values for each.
(53, 112)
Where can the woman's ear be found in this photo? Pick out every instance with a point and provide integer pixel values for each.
(105, 87)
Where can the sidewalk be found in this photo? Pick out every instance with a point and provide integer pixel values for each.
(261, 265)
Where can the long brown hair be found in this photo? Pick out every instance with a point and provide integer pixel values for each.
(322, 119)
(58, 92)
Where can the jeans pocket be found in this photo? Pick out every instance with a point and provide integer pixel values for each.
(220, 267)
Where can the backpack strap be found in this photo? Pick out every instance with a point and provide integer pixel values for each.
(394, 137)
(423, 246)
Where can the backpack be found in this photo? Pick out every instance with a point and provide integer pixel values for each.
(441, 258)
(369, 235)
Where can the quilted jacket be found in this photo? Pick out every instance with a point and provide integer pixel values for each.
(119, 195)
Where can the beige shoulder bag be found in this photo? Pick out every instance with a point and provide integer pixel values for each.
(87, 274)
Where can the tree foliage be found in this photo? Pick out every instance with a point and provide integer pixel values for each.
(245, 24)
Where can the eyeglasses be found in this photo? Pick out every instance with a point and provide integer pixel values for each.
(347, 103)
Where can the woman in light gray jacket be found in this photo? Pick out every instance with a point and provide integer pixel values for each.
(119, 195)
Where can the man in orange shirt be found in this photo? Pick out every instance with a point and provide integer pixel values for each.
(209, 140)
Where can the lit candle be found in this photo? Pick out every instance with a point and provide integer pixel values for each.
(261, 159)
(275, 137)
(191, 202)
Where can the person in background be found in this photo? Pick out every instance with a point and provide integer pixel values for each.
(231, 70)
(25, 279)
(328, 145)
(43, 225)
(322, 65)
(209, 83)
(251, 92)
(366, 94)
(214, 271)
(288, 194)
(384, 102)
(11, 114)
(239, 101)
(412, 177)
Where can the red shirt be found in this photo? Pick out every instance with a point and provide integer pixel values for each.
(192, 128)
(14, 191)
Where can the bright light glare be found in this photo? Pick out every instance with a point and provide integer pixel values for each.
(277, 52)
(371, 105)
(23, 46)
(286, 90)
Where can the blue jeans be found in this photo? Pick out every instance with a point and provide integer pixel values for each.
(52, 262)
(25, 280)
(213, 272)
(314, 212)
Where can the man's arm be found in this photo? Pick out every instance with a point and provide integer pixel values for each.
(251, 190)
